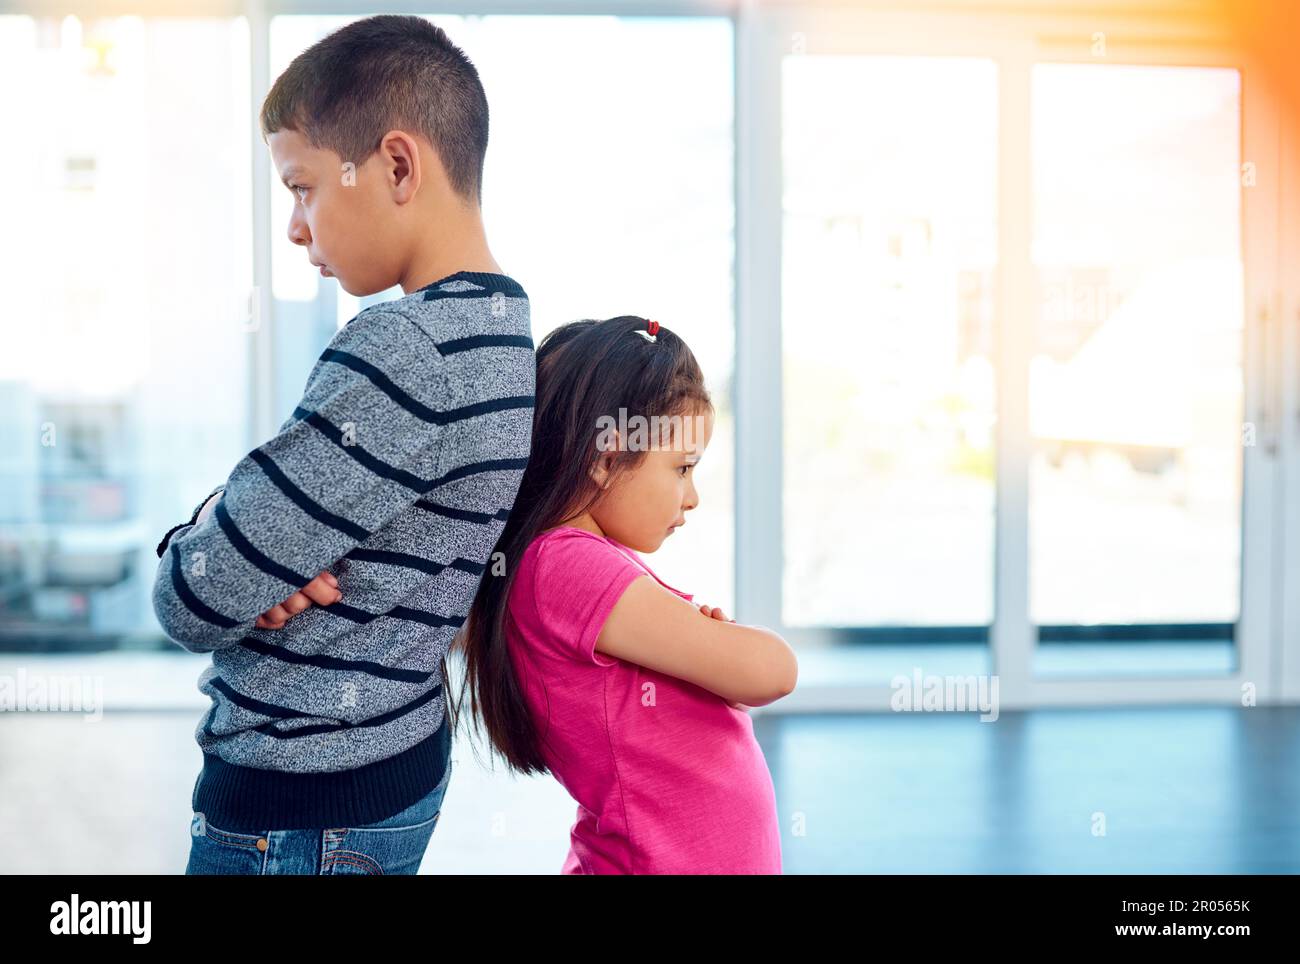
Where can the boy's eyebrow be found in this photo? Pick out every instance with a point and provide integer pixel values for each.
(292, 171)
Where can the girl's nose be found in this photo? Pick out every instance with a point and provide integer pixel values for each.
(692, 498)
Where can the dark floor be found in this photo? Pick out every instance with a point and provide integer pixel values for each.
(1181, 790)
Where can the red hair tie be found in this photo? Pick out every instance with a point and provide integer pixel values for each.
(653, 327)
(651, 330)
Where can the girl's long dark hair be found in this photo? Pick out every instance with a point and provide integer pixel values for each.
(585, 370)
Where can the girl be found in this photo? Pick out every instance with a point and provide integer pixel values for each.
(582, 662)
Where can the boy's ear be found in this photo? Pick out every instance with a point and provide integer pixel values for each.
(401, 157)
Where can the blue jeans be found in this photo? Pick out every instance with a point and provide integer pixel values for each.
(394, 845)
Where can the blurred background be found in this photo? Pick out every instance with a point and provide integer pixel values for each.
(1000, 306)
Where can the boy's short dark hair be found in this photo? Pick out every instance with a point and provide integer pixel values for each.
(390, 71)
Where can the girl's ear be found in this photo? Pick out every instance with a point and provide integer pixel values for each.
(601, 471)
(608, 444)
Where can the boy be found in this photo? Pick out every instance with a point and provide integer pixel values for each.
(370, 517)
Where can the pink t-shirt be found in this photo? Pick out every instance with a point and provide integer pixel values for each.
(668, 778)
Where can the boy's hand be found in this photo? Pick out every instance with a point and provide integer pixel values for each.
(715, 613)
(322, 590)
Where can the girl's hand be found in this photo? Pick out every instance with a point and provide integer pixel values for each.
(715, 613)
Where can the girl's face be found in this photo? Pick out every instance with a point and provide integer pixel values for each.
(642, 506)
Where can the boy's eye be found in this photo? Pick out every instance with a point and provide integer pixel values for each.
(683, 468)
(296, 188)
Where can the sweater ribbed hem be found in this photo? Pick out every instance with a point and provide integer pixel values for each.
(249, 800)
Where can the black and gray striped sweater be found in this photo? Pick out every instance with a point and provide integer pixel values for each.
(396, 473)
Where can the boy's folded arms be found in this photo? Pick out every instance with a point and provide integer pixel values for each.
(358, 450)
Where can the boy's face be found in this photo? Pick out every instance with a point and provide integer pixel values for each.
(339, 214)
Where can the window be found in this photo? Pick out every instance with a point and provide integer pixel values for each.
(888, 257)
(1136, 379)
(129, 250)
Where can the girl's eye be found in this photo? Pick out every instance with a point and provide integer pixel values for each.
(683, 468)
(295, 188)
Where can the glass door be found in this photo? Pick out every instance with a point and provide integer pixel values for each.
(1025, 412)
(889, 254)
(1136, 377)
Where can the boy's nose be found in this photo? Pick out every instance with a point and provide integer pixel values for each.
(298, 232)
